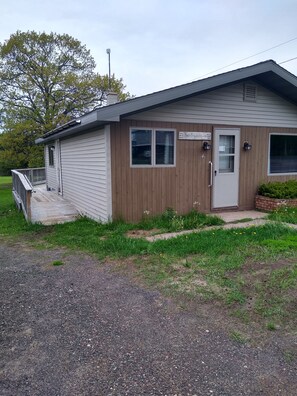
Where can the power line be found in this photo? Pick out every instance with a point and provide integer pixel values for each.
(289, 60)
(251, 56)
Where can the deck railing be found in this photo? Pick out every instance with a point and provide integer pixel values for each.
(22, 191)
(35, 175)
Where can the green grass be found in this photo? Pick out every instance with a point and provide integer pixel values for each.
(56, 263)
(232, 267)
(271, 326)
(5, 192)
(12, 222)
(170, 221)
(216, 257)
(5, 181)
(238, 337)
(285, 214)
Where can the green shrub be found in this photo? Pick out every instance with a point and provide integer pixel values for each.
(280, 190)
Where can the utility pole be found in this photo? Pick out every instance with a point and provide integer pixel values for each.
(109, 80)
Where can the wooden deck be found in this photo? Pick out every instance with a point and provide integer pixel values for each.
(47, 207)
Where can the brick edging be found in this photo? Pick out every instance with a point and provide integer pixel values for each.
(269, 204)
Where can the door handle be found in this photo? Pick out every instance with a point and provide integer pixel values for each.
(210, 173)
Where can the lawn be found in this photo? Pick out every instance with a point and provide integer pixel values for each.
(5, 192)
(12, 222)
(287, 214)
(251, 272)
(5, 181)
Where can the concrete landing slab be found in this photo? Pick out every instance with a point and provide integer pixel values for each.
(231, 217)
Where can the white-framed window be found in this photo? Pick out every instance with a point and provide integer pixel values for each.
(152, 147)
(51, 155)
(282, 154)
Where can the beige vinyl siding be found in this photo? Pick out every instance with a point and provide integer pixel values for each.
(153, 189)
(254, 163)
(185, 186)
(86, 174)
(51, 173)
(226, 106)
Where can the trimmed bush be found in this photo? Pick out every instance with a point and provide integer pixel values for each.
(279, 190)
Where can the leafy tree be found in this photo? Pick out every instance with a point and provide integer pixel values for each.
(45, 80)
(18, 149)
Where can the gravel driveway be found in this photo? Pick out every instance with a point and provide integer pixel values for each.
(84, 329)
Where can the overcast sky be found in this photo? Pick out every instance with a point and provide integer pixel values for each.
(157, 44)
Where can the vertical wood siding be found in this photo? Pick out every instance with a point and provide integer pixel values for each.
(226, 106)
(153, 189)
(135, 190)
(51, 172)
(254, 163)
(85, 175)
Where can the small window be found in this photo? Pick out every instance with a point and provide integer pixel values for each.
(226, 153)
(283, 154)
(152, 147)
(51, 155)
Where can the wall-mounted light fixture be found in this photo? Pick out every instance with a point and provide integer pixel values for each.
(206, 146)
(247, 146)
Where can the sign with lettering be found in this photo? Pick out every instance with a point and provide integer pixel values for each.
(194, 135)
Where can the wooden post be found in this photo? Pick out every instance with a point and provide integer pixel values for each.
(28, 204)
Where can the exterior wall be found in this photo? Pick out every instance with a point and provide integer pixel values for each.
(135, 190)
(225, 106)
(51, 172)
(86, 173)
(254, 163)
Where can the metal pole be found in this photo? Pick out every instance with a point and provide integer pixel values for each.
(109, 80)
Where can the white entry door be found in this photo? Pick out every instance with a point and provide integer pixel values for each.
(226, 168)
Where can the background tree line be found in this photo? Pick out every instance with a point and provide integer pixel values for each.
(45, 80)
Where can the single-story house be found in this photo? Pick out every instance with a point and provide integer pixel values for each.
(206, 145)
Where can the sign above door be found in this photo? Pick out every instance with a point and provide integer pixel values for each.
(194, 135)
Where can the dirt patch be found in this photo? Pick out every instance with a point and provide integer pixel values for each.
(82, 328)
(184, 281)
(142, 233)
(266, 266)
(266, 301)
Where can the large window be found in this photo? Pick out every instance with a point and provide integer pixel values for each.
(51, 155)
(152, 147)
(283, 154)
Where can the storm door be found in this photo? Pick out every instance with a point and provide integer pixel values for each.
(226, 168)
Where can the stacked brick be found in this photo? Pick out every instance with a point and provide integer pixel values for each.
(269, 204)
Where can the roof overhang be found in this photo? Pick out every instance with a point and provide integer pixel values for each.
(268, 73)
